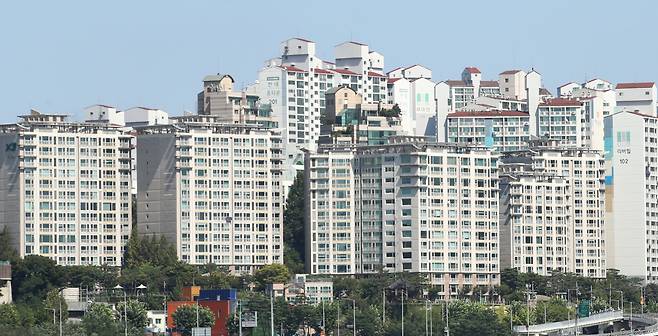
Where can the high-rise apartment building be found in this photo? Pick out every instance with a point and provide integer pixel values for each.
(499, 130)
(66, 189)
(531, 217)
(536, 232)
(214, 190)
(631, 148)
(407, 206)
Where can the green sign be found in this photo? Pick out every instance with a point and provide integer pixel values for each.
(583, 308)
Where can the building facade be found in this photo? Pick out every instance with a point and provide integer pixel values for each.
(214, 190)
(499, 130)
(545, 164)
(66, 189)
(631, 147)
(407, 206)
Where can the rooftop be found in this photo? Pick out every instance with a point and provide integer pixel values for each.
(484, 114)
(561, 102)
(638, 85)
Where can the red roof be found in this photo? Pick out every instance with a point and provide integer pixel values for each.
(322, 71)
(477, 114)
(375, 74)
(640, 85)
(561, 102)
(346, 72)
(472, 70)
(510, 72)
(393, 80)
(292, 68)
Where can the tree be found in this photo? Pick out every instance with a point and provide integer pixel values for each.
(55, 303)
(136, 315)
(185, 318)
(33, 277)
(7, 252)
(99, 321)
(269, 274)
(9, 315)
(293, 224)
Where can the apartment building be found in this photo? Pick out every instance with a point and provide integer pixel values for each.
(499, 130)
(66, 189)
(631, 149)
(638, 97)
(214, 190)
(547, 163)
(407, 206)
(218, 98)
(412, 89)
(562, 119)
(535, 222)
(351, 121)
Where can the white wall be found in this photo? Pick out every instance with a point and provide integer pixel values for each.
(627, 224)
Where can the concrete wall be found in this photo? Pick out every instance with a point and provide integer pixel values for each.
(10, 207)
(157, 187)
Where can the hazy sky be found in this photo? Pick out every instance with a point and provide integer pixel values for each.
(60, 56)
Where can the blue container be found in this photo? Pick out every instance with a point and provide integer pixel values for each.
(218, 294)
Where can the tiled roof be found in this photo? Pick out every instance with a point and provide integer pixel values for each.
(509, 72)
(561, 102)
(345, 72)
(393, 80)
(478, 114)
(375, 74)
(472, 70)
(640, 85)
(322, 71)
(292, 68)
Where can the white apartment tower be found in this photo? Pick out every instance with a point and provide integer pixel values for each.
(631, 147)
(545, 210)
(407, 206)
(66, 189)
(536, 235)
(214, 190)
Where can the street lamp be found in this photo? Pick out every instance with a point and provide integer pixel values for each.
(125, 311)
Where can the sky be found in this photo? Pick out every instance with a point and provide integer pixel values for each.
(61, 56)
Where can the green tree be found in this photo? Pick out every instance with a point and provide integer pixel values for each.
(9, 315)
(136, 314)
(269, 274)
(7, 251)
(99, 321)
(185, 318)
(293, 225)
(33, 277)
(55, 303)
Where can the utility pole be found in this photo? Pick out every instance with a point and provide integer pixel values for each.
(431, 323)
(383, 306)
(272, 313)
(447, 320)
(239, 317)
(354, 317)
(427, 329)
(338, 319)
(403, 313)
(324, 326)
